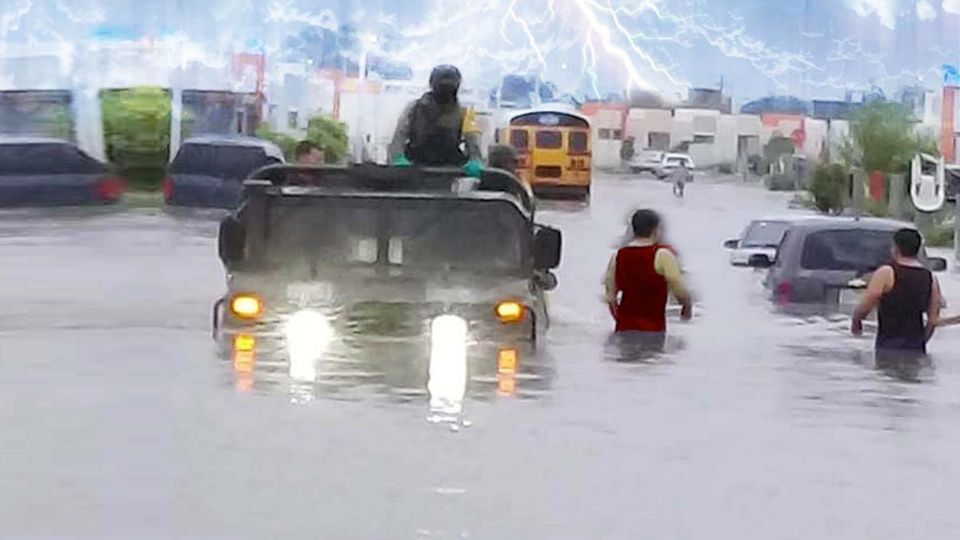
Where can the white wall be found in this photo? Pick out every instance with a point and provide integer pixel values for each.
(684, 124)
(606, 152)
(816, 138)
(641, 122)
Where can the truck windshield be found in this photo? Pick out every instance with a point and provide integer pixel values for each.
(482, 236)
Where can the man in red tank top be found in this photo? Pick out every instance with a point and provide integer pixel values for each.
(641, 276)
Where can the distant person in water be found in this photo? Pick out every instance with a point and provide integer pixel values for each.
(639, 280)
(907, 298)
(679, 177)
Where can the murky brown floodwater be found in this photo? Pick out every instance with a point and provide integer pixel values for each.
(117, 418)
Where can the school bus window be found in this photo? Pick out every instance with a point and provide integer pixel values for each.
(549, 140)
(578, 142)
(519, 139)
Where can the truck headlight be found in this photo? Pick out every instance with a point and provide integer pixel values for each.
(308, 334)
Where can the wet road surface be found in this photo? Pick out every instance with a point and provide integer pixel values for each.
(117, 417)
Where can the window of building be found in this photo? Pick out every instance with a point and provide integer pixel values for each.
(657, 140)
(604, 134)
(704, 139)
(618, 134)
(292, 120)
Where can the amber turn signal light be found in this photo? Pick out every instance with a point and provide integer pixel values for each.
(246, 306)
(510, 311)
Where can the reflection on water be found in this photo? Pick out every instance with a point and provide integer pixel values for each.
(905, 367)
(748, 407)
(438, 372)
(642, 346)
(448, 369)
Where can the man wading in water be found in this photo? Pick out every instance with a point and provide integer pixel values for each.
(902, 292)
(638, 282)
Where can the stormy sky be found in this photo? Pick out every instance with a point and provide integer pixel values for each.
(810, 48)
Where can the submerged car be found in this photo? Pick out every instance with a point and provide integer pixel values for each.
(760, 237)
(830, 260)
(209, 171)
(672, 162)
(408, 266)
(38, 171)
(646, 161)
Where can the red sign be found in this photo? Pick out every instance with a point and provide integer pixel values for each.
(799, 137)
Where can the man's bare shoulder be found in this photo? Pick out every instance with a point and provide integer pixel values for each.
(883, 277)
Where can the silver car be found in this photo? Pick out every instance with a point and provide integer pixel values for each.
(830, 260)
(760, 237)
(647, 161)
(672, 162)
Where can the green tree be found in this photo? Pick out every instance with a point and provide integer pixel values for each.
(928, 144)
(329, 134)
(827, 187)
(778, 147)
(883, 134)
(286, 143)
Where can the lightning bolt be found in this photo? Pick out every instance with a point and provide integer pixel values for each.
(589, 53)
(604, 32)
(531, 40)
(617, 43)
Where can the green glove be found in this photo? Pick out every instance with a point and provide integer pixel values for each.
(473, 168)
(402, 161)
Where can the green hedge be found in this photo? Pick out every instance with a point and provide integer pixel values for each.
(828, 187)
(325, 131)
(136, 133)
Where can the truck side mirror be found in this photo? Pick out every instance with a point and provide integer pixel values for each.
(232, 241)
(731, 244)
(548, 243)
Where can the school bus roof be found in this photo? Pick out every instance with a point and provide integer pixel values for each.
(556, 112)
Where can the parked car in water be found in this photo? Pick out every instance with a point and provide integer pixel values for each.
(672, 162)
(38, 171)
(646, 161)
(760, 237)
(830, 260)
(209, 171)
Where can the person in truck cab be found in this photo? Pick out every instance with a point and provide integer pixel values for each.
(435, 130)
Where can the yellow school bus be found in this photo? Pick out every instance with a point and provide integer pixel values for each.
(554, 151)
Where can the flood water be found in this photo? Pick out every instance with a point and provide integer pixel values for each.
(118, 419)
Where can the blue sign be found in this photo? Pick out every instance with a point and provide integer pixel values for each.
(116, 33)
(951, 75)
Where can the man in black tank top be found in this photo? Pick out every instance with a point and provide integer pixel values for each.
(903, 292)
